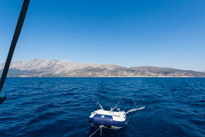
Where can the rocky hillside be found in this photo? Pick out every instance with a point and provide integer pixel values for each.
(62, 68)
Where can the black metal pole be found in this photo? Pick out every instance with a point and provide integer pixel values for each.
(13, 45)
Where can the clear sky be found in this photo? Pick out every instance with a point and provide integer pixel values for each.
(163, 33)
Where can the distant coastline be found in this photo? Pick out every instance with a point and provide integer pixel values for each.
(63, 68)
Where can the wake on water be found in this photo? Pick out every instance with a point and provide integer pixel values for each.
(135, 109)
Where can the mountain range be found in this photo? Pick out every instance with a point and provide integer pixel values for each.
(63, 68)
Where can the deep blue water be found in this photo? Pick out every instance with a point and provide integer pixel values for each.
(58, 107)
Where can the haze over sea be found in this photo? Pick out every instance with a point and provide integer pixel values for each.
(61, 106)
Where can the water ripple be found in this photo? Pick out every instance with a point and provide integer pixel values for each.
(61, 106)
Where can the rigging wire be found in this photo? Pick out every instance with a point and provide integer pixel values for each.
(13, 45)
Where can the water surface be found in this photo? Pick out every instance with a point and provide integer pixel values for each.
(61, 106)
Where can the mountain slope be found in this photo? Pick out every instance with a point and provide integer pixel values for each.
(62, 68)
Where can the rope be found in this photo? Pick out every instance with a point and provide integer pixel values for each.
(96, 131)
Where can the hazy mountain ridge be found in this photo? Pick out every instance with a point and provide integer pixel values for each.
(63, 68)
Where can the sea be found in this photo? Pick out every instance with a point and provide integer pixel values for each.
(60, 107)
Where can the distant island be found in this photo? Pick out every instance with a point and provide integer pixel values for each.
(63, 68)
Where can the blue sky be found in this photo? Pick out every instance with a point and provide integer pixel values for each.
(164, 33)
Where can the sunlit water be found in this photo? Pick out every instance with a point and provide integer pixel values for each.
(61, 106)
